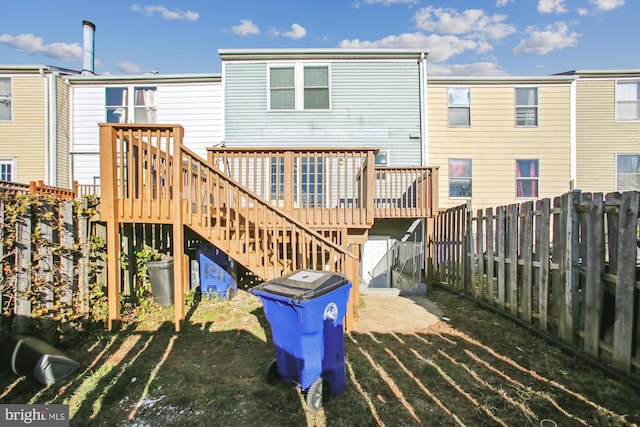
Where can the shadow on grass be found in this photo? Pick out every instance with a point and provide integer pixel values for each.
(212, 373)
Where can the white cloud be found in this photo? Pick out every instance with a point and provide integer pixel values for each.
(606, 4)
(475, 69)
(583, 12)
(297, 32)
(503, 3)
(246, 28)
(442, 47)
(176, 14)
(553, 37)
(31, 44)
(471, 22)
(551, 6)
(129, 67)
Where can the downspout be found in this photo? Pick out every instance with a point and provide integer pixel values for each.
(422, 72)
(53, 179)
(573, 137)
(47, 132)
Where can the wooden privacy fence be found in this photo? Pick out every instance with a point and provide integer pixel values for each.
(37, 187)
(567, 266)
(51, 259)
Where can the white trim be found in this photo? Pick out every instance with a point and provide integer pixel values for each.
(298, 84)
(573, 136)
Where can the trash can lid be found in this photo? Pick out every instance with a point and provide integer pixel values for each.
(303, 284)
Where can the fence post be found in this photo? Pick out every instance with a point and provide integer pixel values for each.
(526, 253)
(66, 259)
(481, 290)
(469, 257)
(23, 273)
(500, 242)
(490, 296)
(571, 267)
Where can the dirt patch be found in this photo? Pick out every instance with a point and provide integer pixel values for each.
(390, 313)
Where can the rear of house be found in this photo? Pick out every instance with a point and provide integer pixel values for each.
(34, 125)
(607, 130)
(191, 100)
(500, 140)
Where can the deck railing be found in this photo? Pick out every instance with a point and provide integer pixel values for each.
(334, 187)
(36, 187)
(405, 192)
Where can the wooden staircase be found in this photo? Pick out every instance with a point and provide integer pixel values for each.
(149, 176)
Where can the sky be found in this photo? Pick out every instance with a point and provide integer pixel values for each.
(465, 37)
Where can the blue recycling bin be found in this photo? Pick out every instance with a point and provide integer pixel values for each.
(216, 271)
(306, 311)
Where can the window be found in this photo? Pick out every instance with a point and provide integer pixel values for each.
(299, 87)
(5, 99)
(527, 175)
(7, 169)
(316, 88)
(382, 158)
(628, 172)
(628, 101)
(460, 178)
(459, 101)
(283, 88)
(131, 104)
(526, 106)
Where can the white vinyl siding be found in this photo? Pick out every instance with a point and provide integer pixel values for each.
(198, 107)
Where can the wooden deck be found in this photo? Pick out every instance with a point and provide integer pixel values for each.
(272, 210)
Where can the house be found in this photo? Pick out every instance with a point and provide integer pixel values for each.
(607, 130)
(304, 103)
(501, 140)
(35, 134)
(192, 100)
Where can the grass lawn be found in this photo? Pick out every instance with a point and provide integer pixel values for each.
(474, 369)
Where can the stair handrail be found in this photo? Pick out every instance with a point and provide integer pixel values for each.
(263, 202)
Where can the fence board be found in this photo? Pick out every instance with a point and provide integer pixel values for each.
(23, 273)
(481, 288)
(594, 260)
(67, 233)
(625, 282)
(490, 296)
(526, 254)
(542, 252)
(500, 238)
(512, 247)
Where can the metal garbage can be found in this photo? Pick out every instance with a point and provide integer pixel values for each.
(216, 271)
(31, 356)
(306, 311)
(161, 278)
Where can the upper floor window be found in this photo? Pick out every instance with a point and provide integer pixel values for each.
(131, 104)
(628, 172)
(459, 102)
(7, 169)
(628, 101)
(460, 178)
(527, 176)
(526, 106)
(299, 87)
(5, 99)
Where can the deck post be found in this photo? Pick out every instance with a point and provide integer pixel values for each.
(179, 276)
(109, 215)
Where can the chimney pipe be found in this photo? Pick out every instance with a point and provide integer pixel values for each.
(88, 45)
